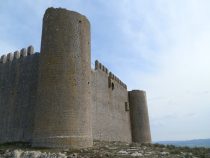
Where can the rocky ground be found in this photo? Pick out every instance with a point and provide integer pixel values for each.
(105, 150)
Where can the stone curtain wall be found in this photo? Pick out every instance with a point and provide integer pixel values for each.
(54, 99)
(111, 119)
(18, 83)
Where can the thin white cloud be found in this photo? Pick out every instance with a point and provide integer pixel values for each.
(180, 29)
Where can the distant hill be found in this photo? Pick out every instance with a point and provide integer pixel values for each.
(189, 143)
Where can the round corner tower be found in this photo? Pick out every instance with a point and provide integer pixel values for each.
(139, 117)
(63, 112)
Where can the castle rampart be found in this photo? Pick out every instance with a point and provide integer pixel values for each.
(100, 66)
(54, 99)
(18, 83)
(108, 107)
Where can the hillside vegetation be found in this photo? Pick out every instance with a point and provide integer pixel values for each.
(105, 150)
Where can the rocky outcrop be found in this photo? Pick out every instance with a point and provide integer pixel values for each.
(105, 150)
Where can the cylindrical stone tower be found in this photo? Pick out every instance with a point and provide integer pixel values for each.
(63, 112)
(139, 117)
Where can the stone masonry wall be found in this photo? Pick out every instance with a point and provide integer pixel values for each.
(110, 109)
(63, 111)
(18, 82)
(54, 99)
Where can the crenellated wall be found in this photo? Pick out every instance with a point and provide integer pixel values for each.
(18, 83)
(110, 113)
(54, 99)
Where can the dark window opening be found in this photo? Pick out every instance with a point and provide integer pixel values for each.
(127, 106)
(112, 86)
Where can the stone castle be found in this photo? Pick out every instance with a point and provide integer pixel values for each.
(54, 98)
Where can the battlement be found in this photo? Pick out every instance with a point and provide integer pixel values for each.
(111, 76)
(54, 99)
(115, 78)
(99, 66)
(17, 55)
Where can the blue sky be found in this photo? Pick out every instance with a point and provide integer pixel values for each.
(160, 46)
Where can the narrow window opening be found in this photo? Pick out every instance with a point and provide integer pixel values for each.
(112, 86)
(127, 106)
